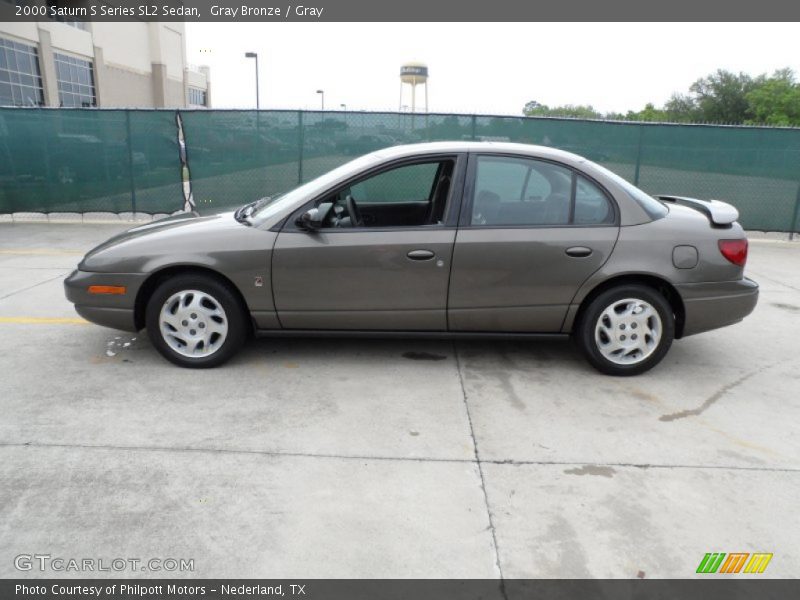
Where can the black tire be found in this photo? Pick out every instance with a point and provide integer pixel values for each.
(584, 332)
(234, 313)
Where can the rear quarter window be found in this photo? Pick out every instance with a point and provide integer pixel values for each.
(654, 208)
(592, 206)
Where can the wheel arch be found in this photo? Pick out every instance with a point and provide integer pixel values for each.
(661, 285)
(157, 277)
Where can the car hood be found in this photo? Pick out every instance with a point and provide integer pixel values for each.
(161, 233)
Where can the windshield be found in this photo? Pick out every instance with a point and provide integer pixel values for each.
(313, 187)
(651, 206)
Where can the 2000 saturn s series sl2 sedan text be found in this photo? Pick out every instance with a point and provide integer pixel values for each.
(449, 239)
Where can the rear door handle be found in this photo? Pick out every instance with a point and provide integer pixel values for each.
(579, 251)
(421, 255)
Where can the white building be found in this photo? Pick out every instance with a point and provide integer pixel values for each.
(108, 65)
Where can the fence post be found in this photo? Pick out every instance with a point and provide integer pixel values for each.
(474, 119)
(638, 156)
(300, 146)
(130, 161)
(795, 226)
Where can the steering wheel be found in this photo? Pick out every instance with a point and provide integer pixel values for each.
(353, 212)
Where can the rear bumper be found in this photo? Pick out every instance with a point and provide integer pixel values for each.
(115, 311)
(713, 305)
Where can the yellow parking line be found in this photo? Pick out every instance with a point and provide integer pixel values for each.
(40, 252)
(44, 320)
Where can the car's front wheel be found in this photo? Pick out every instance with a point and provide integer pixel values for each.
(626, 330)
(195, 321)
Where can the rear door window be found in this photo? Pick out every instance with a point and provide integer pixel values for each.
(519, 191)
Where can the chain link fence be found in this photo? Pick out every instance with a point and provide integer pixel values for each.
(237, 156)
(120, 161)
(79, 161)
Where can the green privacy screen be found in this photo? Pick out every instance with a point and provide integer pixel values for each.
(114, 160)
(239, 156)
(73, 160)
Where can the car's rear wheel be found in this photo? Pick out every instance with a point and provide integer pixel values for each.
(626, 330)
(195, 321)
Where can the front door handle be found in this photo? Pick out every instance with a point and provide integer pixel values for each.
(421, 255)
(579, 251)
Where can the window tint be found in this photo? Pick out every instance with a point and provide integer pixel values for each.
(408, 196)
(512, 191)
(591, 205)
(412, 183)
(538, 187)
(502, 178)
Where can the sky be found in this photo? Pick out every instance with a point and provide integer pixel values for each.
(490, 68)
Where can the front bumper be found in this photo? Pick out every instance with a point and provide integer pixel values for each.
(713, 305)
(115, 311)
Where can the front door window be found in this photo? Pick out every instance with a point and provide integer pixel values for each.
(405, 196)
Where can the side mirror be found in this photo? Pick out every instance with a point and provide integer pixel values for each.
(311, 220)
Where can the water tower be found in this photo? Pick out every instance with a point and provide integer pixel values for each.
(414, 74)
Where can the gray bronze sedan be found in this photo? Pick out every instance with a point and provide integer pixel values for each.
(451, 239)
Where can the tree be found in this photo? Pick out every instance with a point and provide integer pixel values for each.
(532, 107)
(681, 108)
(576, 111)
(776, 101)
(722, 96)
(648, 113)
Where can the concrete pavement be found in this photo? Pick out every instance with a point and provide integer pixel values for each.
(370, 458)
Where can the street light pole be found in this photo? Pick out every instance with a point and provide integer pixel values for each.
(322, 98)
(255, 55)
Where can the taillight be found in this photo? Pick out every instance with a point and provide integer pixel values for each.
(734, 250)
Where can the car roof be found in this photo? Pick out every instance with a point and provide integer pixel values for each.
(469, 146)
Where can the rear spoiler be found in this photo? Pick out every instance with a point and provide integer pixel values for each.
(720, 214)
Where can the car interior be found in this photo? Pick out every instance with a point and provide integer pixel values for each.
(490, 209)
(410, 195)
(529, 192)
(511, 192)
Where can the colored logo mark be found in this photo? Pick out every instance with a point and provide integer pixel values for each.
(735, 562)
